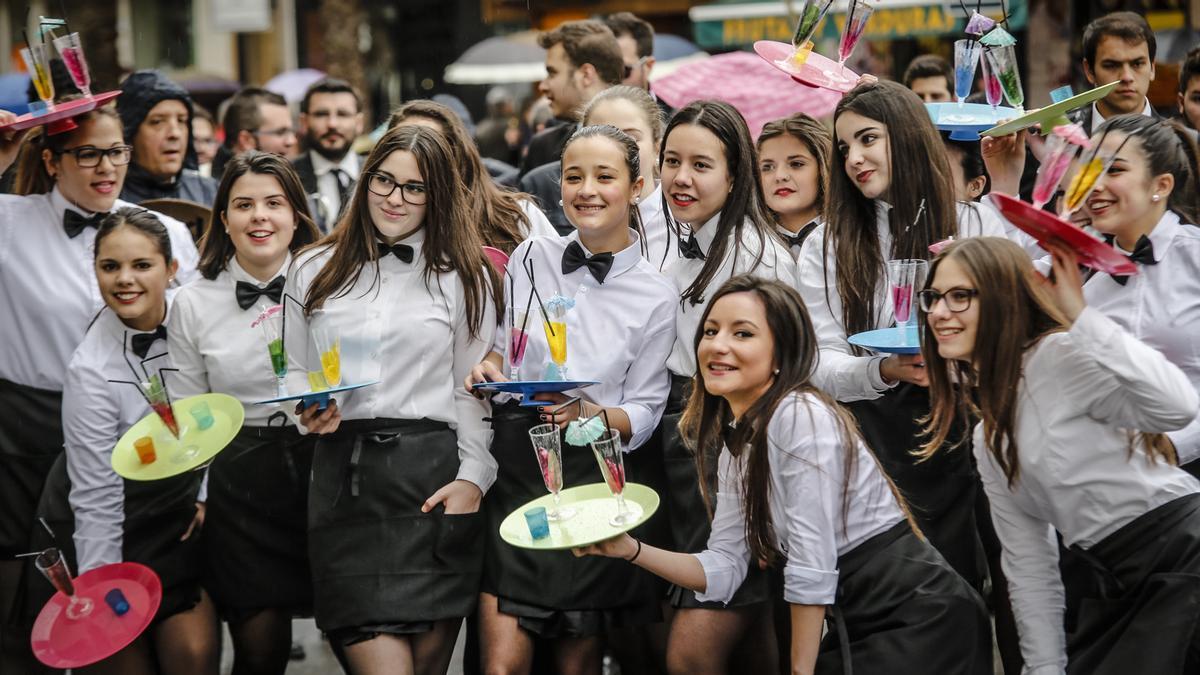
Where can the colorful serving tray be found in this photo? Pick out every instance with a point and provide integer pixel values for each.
(321, 398)
(965, 121)
(594, 505)
(530, 387)
(193, 449)
(1045, 226)
(816, 71)
(889, 340)
(58, 121)
(1051, 112)
(61, 642)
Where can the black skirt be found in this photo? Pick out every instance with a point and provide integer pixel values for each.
(941, 491)
(552, 593)
(901, 609)
(256, 525)
(1145, 615)
(378, 563)
(689, 518)
(31, 438)
(157, 513)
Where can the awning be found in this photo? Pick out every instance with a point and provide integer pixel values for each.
(738, 23)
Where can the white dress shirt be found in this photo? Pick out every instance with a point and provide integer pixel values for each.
(661, 245)
(95, 414)
(1098, 119)
(1161, 307)
(215, 348)
(840, 373)
(771, 262)
(411, 334)
(1080, 392)
(619, 332)
(539, 224)
(990, 220)
(328, 188)
(807, 454)
(48, 291)
(784, 232)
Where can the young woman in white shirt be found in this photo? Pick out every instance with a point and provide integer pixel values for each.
(892, 196)
(69, 181)
(798, 486)
(621, 344)
(1072, 410)
(97, 516)
(793, 158)
(255, 533)
(395, 537)
(714, 199)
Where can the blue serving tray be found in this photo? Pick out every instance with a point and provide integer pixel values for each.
(321, 398)
(966, 121)
(530, 387)
(889, 340)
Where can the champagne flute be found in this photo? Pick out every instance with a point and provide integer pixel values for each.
(1004, 65)
(556, 337)
(1060, 152)
(53, 566)
(905, 278)
(517, 341)
(37, 62)
(547, 446)
(991, 82)
(71, 49)
(810, 18)
(271, 322)
(856, 23)
(329, 346)
(611, 458)
(966, 60)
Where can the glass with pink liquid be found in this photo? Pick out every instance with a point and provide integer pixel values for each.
(71, 50)
(991, 81)
(857, 15)
(905, 278)
(1060, 153)
(547, 445)
(611, 458)
(518, 339)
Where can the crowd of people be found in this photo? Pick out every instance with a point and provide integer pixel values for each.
(1023, 487)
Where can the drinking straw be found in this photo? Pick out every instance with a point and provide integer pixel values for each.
(162, 376)
(541, 303)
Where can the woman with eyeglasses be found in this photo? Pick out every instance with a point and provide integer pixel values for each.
(66, 184)
(400, 293)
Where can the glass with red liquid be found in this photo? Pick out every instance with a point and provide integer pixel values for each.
(518, 339)
(71, 50)
(547, 446)
(905, 278)
(611, 457)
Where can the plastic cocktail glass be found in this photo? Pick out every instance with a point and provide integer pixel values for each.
(271, 322)
(71, 49)
(966, 60)
(547, 446)
(329, 347)
(905, 278)
(518, 339)
(556, 337)
(1004, 65)
(37, 62)
(160, 404)
(1059, 154)
(611, 459)
(1088, 173)
(856, 23)
(991, 83)
(810, 18)
(53, 566)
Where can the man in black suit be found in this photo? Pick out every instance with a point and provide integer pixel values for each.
(1118, 47)
(636, 38)
(582, 59)
(330, 119)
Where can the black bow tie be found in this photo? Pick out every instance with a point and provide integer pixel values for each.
(248, 293)
(575, 257)
(795, 240)
(140, 343)
(1143, 253)
(402, 251)
(690, 248)
(75, 222)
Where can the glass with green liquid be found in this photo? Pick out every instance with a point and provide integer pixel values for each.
(271, 322)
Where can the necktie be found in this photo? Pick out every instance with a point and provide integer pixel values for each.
(343, 183)
(248, 293)
(690, 248)
(574, 258)
(75, 222)
(141, 342)
(794, 240)
(403, 252)
(1143, 253)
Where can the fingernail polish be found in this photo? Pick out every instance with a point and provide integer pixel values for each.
(542, 417)
(541, 410)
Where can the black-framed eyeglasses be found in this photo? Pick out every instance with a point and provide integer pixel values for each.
(957, 299)
(383, 185)
(629, 67)
(89, 156)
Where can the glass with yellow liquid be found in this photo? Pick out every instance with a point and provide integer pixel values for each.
(37, 62)
(1090, 170)
(328, 343)
(556, 337)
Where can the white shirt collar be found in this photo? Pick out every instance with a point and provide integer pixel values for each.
(1098, 119)
(322, 166)
(623, 260)
(1161, 236)
(60, 203)
(240, 274)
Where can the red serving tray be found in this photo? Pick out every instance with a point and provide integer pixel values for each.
(61, 119)
(60, 642)
(813, 72)
(1046, 227)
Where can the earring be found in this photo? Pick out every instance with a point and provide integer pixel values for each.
(776, 371)
(1155, 198)
(636, 200)
(560, 202)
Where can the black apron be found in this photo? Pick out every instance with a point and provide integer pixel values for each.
(552, 593)
(31, 438)
(378, 563)
(690, 522)
(900, 608)
(1145, 615)
(256, 525)
(941, 491)
(157, 513)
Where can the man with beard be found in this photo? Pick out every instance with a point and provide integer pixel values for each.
(330, 119)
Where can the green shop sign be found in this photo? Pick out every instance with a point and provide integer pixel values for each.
(741, 23)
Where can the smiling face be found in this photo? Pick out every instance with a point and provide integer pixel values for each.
(790, 176)
(1124, 197)
(392, 216)
(161, 141)
(260, 221)
(132, 275)
(736, 354)
(96, 188)
(332, 122)
(628, 117)
(695, 174)
(1118, 60)
(955, 331)
(561, 85)
(597, 192)
(862, 144)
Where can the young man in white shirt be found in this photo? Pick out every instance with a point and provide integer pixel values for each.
(1118, 47)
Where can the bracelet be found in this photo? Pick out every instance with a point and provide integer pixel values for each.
(639, 551)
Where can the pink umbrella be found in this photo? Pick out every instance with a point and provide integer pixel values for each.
(757, 89)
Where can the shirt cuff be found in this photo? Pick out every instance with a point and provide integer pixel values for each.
(1046, 669)
(480, 473)
(875, 377)
(720, 579)
(809, 586)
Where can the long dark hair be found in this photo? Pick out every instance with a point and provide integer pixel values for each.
(919, 173)
(216, 247)
(1014, 314)
(497, 213)
(707, 415)
(1169, 148)
(32, 177)
(744, 201)
(633, 164)
(452, 243)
